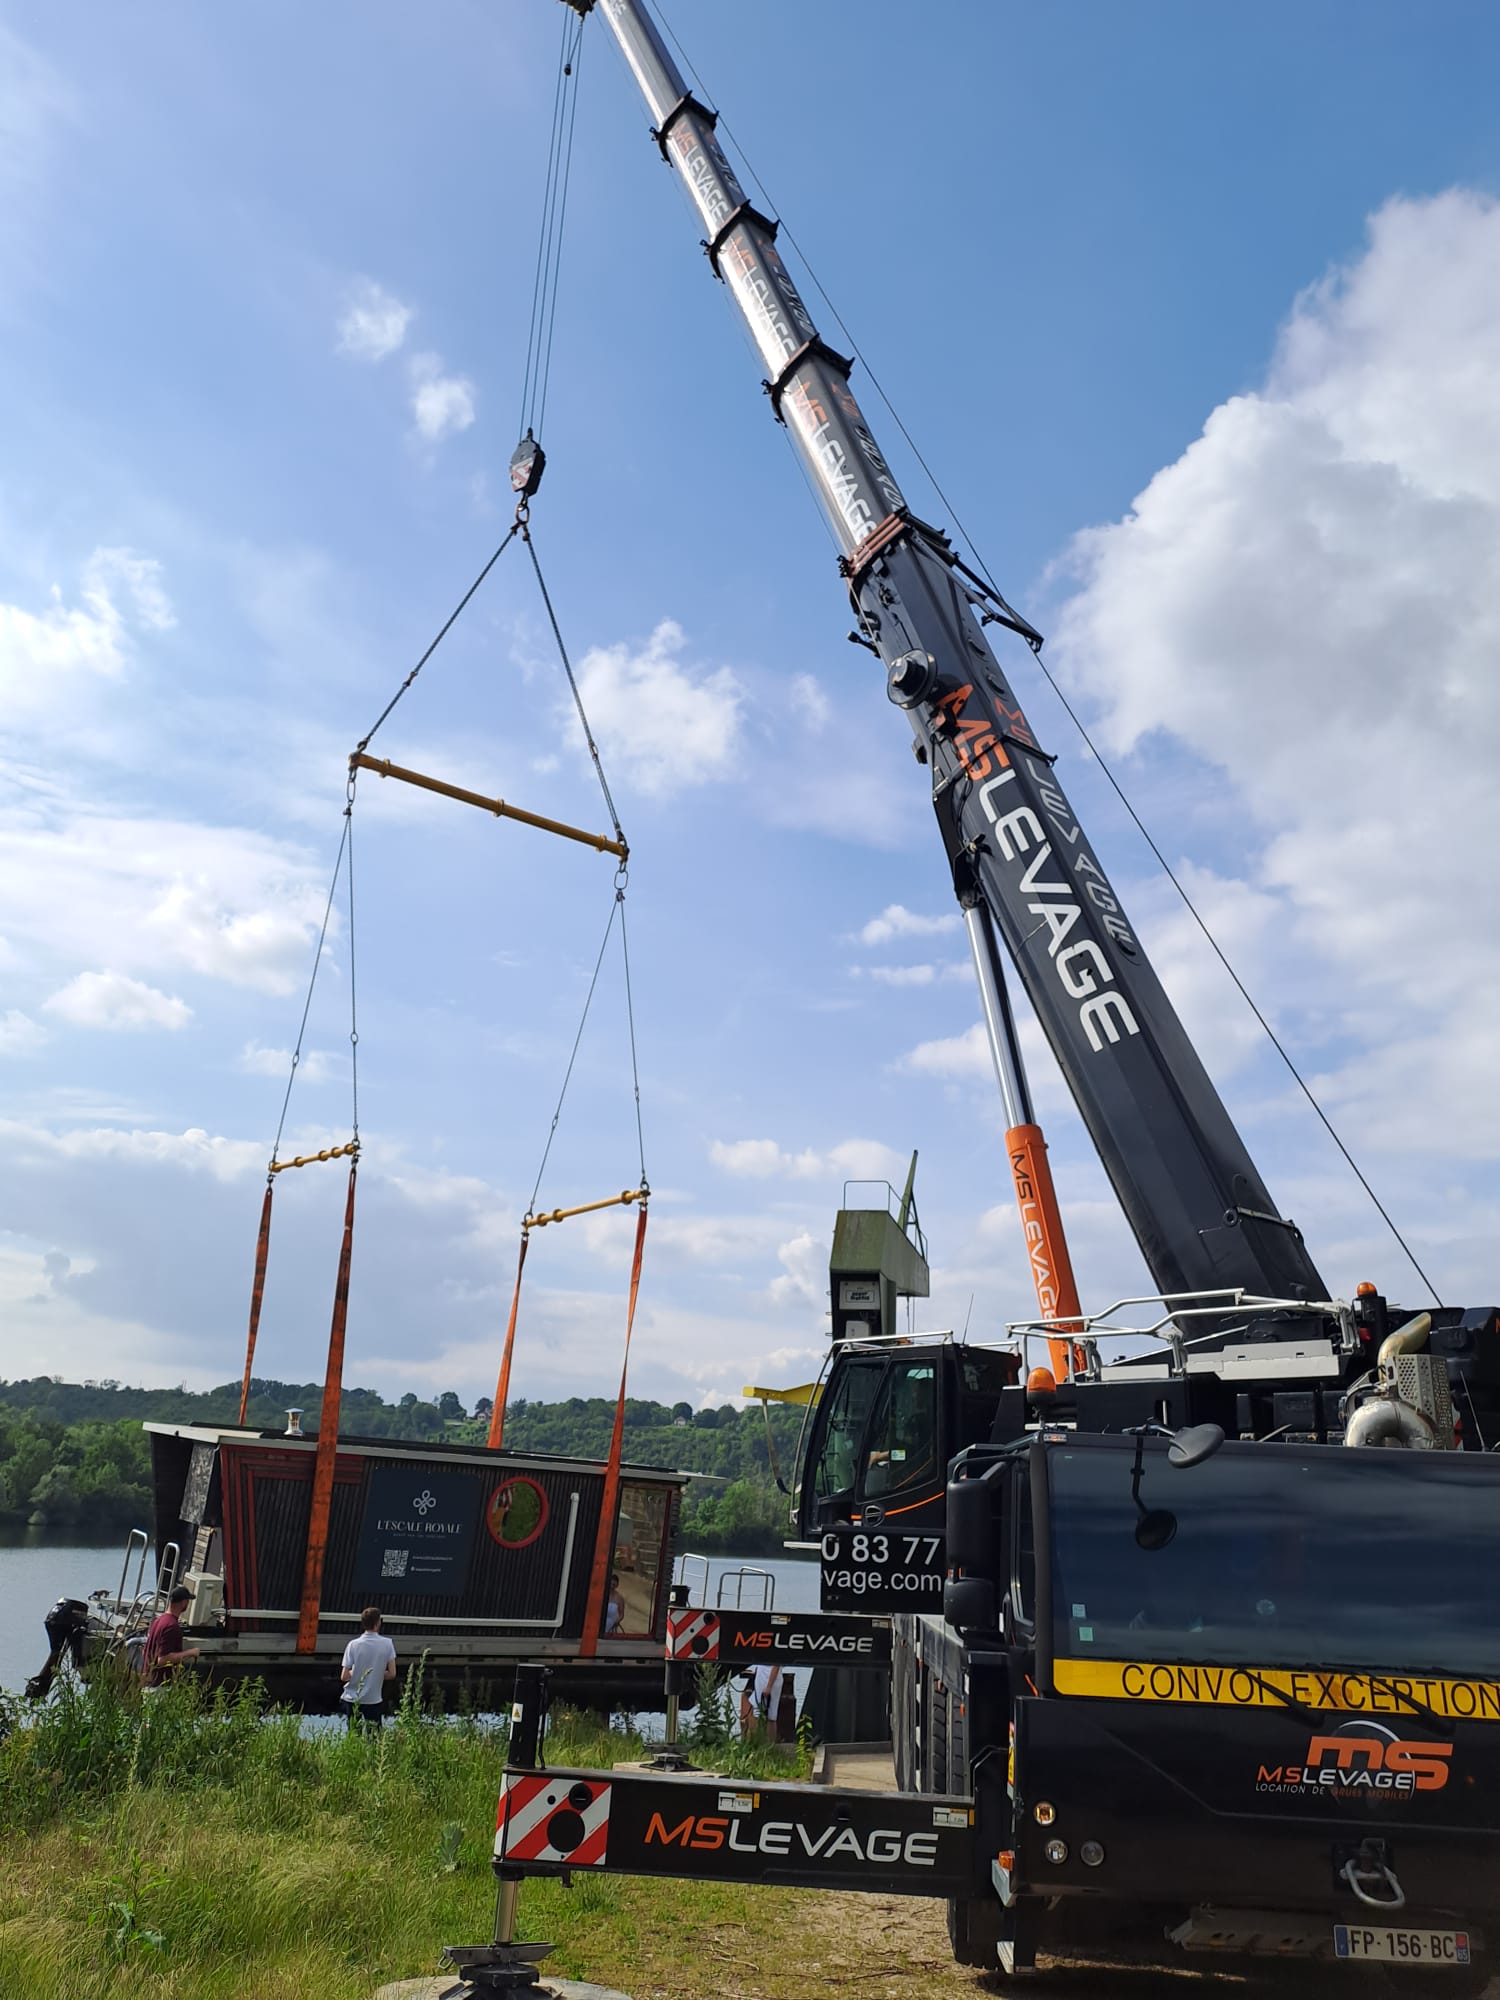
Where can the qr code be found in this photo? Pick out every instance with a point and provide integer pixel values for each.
(393, 1562)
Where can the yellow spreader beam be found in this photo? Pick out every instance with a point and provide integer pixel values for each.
(807, 1393)
(311, 1159)
(584, 1208)
(384, 768)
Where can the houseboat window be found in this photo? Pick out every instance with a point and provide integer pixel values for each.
(516, 1513)
(640, 1544)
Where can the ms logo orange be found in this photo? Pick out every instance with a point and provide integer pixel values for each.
(1361, 1757)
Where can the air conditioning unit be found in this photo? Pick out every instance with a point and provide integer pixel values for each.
(207, 1606)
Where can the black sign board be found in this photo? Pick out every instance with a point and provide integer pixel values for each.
(880, 1570)
(801, 1638)
(417, 1533)
(803, 1836)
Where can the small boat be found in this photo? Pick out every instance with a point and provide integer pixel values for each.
(477, 1559)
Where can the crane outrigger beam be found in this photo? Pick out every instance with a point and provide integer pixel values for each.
(384, 768)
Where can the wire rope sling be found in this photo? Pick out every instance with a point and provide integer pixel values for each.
(526, 468)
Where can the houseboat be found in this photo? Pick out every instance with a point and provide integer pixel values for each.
(477, 1559)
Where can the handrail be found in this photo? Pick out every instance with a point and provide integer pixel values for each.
(768, 1586)
(140, 1568)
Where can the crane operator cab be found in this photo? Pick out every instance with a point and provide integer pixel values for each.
(889, 1423)
(895, 1409)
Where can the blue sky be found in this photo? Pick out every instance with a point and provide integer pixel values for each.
(1193, 314)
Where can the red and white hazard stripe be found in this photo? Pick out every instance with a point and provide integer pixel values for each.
(543, 1818)
(692, 1635)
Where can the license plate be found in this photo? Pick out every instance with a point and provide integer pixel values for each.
(1389, 1947)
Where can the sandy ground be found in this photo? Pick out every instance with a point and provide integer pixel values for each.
(894, 1948)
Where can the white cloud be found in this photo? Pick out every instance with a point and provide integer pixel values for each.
(664, 725)
(257, 1060)
(373, 323)
(111, 1001)
(1308, 601)
(109, 570)
(813, 707)
(196, 1150)
(852, 1159)
(19, 1034)
(153, 895)
(896, 921)
(804, 1273)
(953, 1056)
(440, 404)
(45, 1325)
(913, 975)
(48, 658)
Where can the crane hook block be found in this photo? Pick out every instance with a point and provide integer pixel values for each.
(527, 463)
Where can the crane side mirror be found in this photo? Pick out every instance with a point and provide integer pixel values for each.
(1155, 1528)
(1191, 1447)
(972, 1527)
(969, 1604)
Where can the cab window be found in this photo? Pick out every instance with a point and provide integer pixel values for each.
(901, 1445)
(849, 1402)
(1023, 1585)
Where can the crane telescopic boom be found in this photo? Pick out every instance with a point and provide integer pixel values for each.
(1190, 1191)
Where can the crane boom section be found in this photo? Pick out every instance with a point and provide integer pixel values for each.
(1189, 1189)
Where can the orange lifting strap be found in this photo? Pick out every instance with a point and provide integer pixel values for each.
(604, 1541)
(496, 1435)
(263, 1249)
(605, 1537)
(328, 1440)
(257, 1293)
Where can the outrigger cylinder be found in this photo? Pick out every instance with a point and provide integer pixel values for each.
(384, 768)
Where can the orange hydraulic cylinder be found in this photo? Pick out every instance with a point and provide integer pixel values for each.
(1046, 1245)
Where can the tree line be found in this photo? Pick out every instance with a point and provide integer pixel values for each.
(74, 1459)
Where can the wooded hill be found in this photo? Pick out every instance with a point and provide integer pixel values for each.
(74, 1459)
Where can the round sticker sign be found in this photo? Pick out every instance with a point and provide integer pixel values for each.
(516, 1513)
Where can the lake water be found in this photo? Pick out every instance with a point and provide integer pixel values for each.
(34, 1575)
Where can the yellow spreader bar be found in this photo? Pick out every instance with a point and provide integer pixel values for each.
(311, 1159)
(584, 1208)
(384, 768)
(1389, 1695)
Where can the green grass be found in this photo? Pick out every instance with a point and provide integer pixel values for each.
(190, 1846)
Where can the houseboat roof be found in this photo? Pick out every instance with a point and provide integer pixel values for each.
(387, 1447)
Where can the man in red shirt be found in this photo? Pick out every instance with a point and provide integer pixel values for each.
(166, 1646)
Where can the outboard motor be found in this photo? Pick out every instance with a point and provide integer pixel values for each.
(66, 1625)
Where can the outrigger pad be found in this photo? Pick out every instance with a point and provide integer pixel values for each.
(803, 1836)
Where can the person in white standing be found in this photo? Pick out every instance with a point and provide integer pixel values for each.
(369, 1662)
(759, 1701)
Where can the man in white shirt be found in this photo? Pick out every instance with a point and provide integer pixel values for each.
(758, 1703)
(369, 1662)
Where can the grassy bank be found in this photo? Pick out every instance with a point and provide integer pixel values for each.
(190, 1847)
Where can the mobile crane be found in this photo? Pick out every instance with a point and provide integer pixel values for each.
(1208, 1664)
